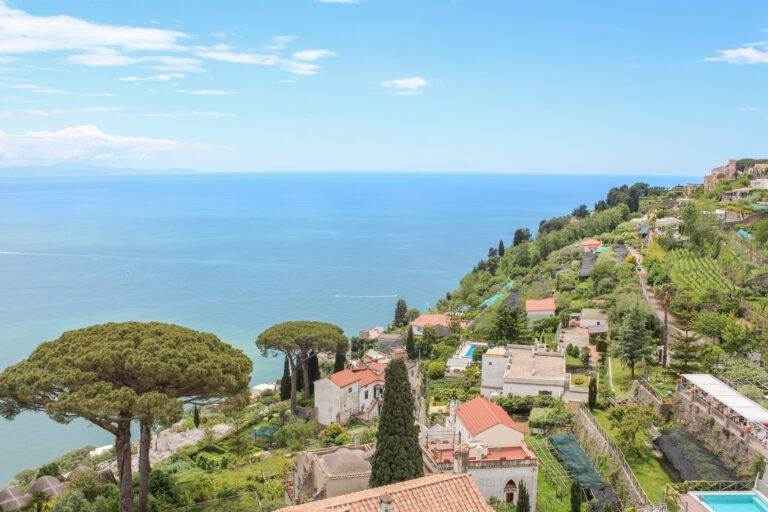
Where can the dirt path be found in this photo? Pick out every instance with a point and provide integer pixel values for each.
(650, 297)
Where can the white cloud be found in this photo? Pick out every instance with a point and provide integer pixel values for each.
(204, 92)
(104, 57)
(162, 77)
(102, 45)
(410, 86)
(752, 53)
(21, 32)
(168, 63)
(748, 108)
(77, 144)
(300, 68)
(313, 55)
(57, 111)
(189, 113)
(42, 89)
(278, 43)
(225, 53)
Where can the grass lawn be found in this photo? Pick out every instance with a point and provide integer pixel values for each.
(662, 381)
(649, 472)
(621, 377)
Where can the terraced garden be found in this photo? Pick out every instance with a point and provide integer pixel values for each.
(699, 274)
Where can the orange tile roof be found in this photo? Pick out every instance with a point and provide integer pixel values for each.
(591, 242)
(480, 414)
(432, 320)
(548, 304)
(366, 374)
(434, 493)
(444, 454)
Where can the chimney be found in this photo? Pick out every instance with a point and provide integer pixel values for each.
(386, 503)
(460, 459)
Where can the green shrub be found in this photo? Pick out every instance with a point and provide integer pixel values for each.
(436, 369)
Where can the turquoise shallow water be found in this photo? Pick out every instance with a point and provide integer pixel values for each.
(235, 254)
(734, 502)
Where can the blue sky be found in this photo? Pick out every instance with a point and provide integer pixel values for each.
(384, 85)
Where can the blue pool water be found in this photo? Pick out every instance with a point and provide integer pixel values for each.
(470, 351)
(734, 501)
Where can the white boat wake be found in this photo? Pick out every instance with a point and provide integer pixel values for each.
(390, 296)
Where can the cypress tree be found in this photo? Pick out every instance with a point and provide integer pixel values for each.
(401, 310)
(341, 359)
(576, 497)
(285, 382)
(410, 345)
(592, 397)
(501, 248)
(314, 373)
(523, 499)
(196, 417)
(398, 456)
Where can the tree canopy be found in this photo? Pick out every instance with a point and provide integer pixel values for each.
(398, 456)
(111, 374)
(296, 340)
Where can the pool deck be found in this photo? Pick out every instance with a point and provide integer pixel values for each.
(690, 504)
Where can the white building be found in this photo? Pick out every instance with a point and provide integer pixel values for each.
(523, 370)
(371, 334)
(593, 320)
(348, 393)
(356, 392)
(761, 184)
(482, 440)
(536, 309)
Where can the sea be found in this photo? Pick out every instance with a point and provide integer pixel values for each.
(235, 253)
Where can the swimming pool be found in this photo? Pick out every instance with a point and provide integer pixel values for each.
(746, 501)
(470, 350)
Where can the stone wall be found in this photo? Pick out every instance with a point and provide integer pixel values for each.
(731, 449)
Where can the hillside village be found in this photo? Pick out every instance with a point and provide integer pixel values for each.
(614, 361)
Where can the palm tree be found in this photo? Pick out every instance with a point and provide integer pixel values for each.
(665, 295)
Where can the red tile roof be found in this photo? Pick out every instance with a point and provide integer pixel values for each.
(443, 454)
(548, 304)
(432, 320)
(480, 414)
(366, 374)
(434, 493)
(591, 243)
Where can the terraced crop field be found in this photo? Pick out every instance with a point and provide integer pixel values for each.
(700, 274)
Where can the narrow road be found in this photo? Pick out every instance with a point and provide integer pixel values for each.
(651, 297)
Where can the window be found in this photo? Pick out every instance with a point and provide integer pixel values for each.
(366, 394)
(349, 390)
